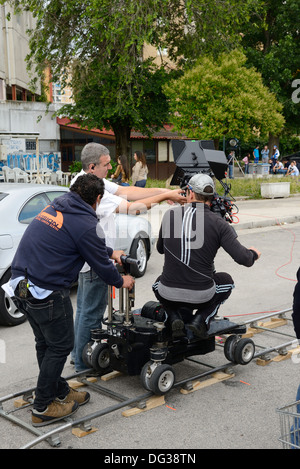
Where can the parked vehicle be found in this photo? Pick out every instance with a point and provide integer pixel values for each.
(20, 203)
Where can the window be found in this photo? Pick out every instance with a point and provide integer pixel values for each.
(53, 194)
(32, 208)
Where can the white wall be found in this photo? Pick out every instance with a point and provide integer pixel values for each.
(28, 117)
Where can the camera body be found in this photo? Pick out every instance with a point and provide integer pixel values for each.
(199, 156)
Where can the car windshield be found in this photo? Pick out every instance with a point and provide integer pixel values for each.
(3, 195)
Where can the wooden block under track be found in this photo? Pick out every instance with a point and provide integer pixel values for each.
(74, 384)
(108, 376)
(272, 324)
(80, 433)
(151, 403)
(217, 378)
(279, 357)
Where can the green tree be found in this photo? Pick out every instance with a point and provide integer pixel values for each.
(222, 97)
(271, 42)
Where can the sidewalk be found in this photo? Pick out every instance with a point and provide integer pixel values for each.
(267, 212)
(251, 213)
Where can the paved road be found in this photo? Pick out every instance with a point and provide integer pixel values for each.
(236, 413)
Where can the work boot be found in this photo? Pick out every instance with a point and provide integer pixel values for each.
(81, 397)
(197, 326)
(176, 323)
(55, 411)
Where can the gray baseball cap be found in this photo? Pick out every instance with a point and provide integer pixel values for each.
(199, 182)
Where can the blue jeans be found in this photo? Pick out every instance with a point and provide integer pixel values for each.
(295, 429)
(51, 320)
(91, 305)
(141, 183)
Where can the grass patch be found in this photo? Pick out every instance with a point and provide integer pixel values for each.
(241, 187)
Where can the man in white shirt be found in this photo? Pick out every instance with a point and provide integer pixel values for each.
(92, 291)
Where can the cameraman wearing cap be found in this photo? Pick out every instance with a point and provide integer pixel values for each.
(189, 238)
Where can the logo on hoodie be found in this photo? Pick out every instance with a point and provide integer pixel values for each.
(54, 221)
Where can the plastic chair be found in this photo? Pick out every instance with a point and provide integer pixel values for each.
(53, 178)
(46, 175)
(20, 176)
(8, 174)
(60, 177)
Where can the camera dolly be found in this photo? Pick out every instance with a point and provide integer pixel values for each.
(141, 342)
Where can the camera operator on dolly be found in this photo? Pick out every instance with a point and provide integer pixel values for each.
(189, 238)
(188, 280)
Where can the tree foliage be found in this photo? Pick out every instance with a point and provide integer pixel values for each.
(271, 42)
(223, 97)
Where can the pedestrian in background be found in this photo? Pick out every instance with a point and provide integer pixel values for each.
(265, 154)
(246, 160)
(140, 170)
(122, 174)
(256, 154)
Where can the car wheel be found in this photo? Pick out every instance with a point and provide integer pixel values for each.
(10, 315)
(139, 251)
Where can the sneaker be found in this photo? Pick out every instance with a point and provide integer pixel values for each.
(55, 411)
(81, 397)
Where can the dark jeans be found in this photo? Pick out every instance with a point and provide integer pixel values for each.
(141, 183)
(224, 286)
(296, 306)
(51, 320)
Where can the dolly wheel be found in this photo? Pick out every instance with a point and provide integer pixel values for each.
(244, 351)
(229, 347)
(162, 379)
(86, 354)
(99, 358)
(145, 375)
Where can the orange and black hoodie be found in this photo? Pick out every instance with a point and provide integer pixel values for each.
(58, 242)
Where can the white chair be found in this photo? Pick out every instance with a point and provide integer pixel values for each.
(46, 175)
(20, 176)
(60, 177)
(8, 174)
(53, 178)
(2, 177)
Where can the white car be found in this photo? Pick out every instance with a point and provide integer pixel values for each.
(20, 203)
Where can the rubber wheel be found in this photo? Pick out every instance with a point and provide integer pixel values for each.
(162, 379)
(244, 351)
(10, 315)
(145, 376)
(86, 357)
(99, 360)
(229, 347)
(139, 251)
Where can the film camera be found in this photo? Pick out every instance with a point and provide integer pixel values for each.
(199, 156)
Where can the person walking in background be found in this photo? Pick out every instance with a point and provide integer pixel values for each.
(230, 159)
(265, 155)
(140, 170)
(246, 160)
(256, 154)
(122, 174)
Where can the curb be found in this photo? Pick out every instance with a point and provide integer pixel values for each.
(267, 222)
